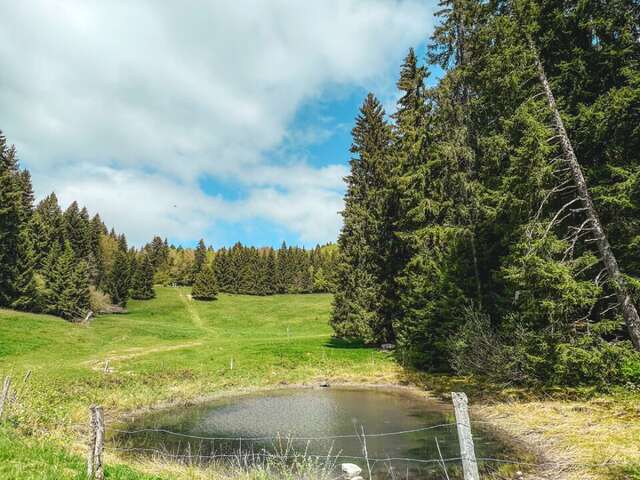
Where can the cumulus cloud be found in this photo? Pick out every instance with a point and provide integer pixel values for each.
(125, 105)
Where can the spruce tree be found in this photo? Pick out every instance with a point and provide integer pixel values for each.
(118, 279)
(11, 215)
(97, 230)
(77, 230)
(26, 201)
(200, 256)
(282, 269)
(25, 295)
(437, 244)
(142, 279)
(221, 263)
(68, 286)
(359, 303)
(270, 272)
(50, 216)
(205, 286)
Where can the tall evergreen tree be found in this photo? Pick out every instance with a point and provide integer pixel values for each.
(118, 280)
(51, 218)
(222, 272)
(25, 295)
(96, 265)
(282, 269)
(11, 215)
(359, 304)
(68, 286)
(200, 257)
(77, 230)
(142, 279)
(270, 272)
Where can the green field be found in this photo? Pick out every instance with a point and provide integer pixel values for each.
(167, 350)
(173, 350)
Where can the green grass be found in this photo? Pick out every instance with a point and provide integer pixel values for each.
(166, 350)
(172, 350)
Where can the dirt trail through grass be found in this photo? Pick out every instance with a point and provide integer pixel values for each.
(135, 352)
(195, 316)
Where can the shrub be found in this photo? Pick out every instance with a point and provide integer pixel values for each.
(98, 300)
(523, 356)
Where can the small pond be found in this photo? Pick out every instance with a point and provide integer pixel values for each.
(319, 422)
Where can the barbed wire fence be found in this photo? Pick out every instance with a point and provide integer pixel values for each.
(467, 458)
(11, 392)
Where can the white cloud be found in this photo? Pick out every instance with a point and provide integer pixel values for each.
(144, 97)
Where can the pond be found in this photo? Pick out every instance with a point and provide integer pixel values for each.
(403, 430)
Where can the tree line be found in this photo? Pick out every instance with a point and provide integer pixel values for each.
(247, 270)
(491, 223)
(65, 263)
(68, 263)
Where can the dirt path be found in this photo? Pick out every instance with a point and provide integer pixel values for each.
(136, 352)
(197, 321)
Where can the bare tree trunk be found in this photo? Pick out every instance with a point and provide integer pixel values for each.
(629, 311)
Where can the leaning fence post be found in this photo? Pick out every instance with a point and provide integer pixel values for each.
(95, 469)
(91, 451)
(97, 457)
(467, 452)
(5, 393)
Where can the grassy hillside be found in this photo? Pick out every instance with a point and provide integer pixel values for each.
(170, 349)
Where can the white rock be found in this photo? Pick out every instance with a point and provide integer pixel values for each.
(351, 470)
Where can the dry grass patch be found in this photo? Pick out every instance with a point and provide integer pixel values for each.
(589, 440)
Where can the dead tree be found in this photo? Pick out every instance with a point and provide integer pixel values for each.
(618, 283)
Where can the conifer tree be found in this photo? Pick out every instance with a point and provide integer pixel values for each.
(25, 295)
(158, 252)
(282, 269)
(97, 267)
(359, 301)
(205, 286)
(118, 280)
(221, 270)
(270, 272)
(80, 285)
(77, 230)
(50, 216)
(68, 286)
(142, 280)
(26, 201)
(11, 214)
(200, 256)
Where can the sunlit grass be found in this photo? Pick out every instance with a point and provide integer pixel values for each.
(172, 350)
(169, 350)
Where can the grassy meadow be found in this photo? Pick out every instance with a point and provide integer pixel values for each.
(167, 350)
(174, 350)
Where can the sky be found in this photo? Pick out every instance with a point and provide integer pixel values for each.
(223, 120)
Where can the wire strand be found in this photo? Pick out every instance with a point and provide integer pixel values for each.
(331, 437)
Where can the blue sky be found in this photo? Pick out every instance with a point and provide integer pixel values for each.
(223, 120)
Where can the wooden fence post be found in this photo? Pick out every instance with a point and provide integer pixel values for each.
(97, 457)
(95, 468)
(467, 452)
(91, 450)
(5, 393)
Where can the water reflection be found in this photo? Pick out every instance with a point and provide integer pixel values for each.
(309, 416)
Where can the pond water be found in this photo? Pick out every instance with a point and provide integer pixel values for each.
(316, 421)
